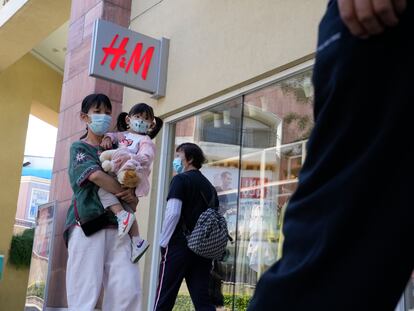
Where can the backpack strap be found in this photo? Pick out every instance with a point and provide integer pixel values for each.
(210, 204)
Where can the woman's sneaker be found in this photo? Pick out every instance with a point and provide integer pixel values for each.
(125, 221)
(138, 250)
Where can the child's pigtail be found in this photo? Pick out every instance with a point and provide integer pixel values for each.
(121, 124)
(154, 131)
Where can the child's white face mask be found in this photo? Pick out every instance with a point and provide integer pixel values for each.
(139, 126)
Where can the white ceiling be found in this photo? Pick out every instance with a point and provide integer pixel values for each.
(52, 50)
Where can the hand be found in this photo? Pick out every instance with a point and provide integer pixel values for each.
(128, 195)
(365, 18)
(133, 205)
(106, 143)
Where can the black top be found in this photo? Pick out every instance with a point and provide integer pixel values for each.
(187, 187)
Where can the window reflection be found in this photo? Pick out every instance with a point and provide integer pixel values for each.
(255, 147)
(217, 131)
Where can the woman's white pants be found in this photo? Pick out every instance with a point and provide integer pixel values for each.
(101, 260)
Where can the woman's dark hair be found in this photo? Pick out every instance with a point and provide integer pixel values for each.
(140, 108)
(193, 153)
(94, 100)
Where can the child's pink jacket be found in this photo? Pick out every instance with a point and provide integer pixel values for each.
(141, 152)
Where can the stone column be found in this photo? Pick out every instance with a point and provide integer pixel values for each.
(76, 85)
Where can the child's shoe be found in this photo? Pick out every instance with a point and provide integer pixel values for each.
(125, 221)
(138, 248)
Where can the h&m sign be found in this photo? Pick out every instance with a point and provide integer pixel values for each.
(129, 58)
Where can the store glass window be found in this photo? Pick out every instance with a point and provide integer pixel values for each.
(255, 147)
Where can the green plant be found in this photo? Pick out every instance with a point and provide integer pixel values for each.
(21, 249)
(184, 303)
(36, 289)
(304, 124)
(299, 86)
(240, 302)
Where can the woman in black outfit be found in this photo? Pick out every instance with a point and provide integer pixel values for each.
(184, 205)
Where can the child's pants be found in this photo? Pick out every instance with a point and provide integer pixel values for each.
(101, 260)
(108, 199)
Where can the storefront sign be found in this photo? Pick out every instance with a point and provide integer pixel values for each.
(129, 58)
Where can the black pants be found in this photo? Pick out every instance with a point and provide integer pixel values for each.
(349, 227)
(178, 263)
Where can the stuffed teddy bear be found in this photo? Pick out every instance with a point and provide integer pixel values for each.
(121, 163)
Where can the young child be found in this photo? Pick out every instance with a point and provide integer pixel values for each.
(136, 129)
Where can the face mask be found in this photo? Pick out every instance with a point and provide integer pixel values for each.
(139, 126)
(100, 123)
(178, 165)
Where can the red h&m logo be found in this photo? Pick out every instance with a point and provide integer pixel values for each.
(118, 58)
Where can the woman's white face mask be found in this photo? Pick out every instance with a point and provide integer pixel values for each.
(100, 123)
(178, 165)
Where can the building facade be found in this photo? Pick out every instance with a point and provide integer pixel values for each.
(238, 85)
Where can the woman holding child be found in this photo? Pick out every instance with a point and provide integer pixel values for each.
(98, 257)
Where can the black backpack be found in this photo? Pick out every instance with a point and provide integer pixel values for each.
(210, 235)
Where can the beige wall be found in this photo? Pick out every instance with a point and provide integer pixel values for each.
(23, 83)
(217, 46)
